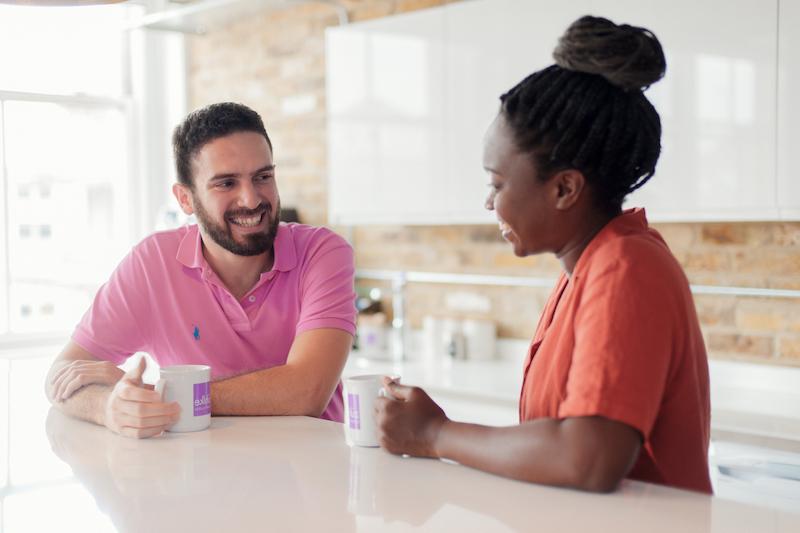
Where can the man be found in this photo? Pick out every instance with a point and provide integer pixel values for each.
(268, 305)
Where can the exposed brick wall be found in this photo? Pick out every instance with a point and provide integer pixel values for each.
(275, 63)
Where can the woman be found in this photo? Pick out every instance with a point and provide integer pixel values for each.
(616, 379)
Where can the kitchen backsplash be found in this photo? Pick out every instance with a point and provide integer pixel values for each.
(276, 64)
(764, 255)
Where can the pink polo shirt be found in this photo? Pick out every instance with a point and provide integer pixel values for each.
(164, 299)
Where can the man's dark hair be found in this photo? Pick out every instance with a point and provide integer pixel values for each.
(588, 111)
(206, 124)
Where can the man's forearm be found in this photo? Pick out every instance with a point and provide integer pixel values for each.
(89, 403)
(281, 390)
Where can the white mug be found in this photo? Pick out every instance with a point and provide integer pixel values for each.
(360, 393)
(190, 386)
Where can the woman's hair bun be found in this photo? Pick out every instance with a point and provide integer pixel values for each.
(626, 56)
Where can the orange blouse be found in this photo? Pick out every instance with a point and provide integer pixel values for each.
(620, 339)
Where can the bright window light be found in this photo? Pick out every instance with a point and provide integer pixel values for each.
(65, 138)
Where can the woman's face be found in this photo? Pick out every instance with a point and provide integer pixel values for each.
(525, 205)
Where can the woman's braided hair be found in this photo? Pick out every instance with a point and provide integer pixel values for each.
(588, 111)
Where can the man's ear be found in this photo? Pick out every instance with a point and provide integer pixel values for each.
(570, 184)
(184, 197)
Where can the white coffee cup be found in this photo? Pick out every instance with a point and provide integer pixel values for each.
(360, 393)
(190, 386)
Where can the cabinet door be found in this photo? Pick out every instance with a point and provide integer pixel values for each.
(717, 101)
(385, 87)
(789, 110)
(491, 46)
(410, 98)
(717, 106)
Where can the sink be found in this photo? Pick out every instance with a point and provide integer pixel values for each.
(751, 468)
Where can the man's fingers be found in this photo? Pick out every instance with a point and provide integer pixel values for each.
(61, 371)
(80, 364)
(64, 376)
(148, 409)
(60, 386)
(162, 421)
(135, 393)
(134, 375)
(70, 387)
(141, 433)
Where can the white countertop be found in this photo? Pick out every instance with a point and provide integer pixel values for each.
(297, 474)
(744, 400)
(498, 380)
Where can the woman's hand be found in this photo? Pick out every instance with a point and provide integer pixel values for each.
(408, 421)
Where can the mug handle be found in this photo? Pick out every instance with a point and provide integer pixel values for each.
(161, 384)
(382, 393)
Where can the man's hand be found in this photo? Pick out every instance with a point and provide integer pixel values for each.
(409, 421)
(133, 410)
(79, 373)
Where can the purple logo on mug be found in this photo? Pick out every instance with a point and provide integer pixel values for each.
(355, 415)
(202, 399)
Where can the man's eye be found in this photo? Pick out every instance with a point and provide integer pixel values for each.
(227, 184)
(263, 177)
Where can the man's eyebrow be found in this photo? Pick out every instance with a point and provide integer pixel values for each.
(233, 175)
(265, 168)
(228, 175)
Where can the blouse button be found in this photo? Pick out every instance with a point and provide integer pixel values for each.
(252, 298)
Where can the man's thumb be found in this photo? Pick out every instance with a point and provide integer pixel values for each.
(135, 374)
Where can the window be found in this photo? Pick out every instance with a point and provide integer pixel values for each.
(66, 179)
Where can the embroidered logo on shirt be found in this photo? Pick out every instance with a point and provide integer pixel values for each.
(196, 333)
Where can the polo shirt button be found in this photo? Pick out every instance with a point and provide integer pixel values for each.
(252, 298)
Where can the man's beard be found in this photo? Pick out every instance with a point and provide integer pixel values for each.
(255, 243)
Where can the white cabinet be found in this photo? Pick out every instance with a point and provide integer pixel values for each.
(410, 98)
(717, 107)
(490, 47)
(789, 106)
(385, 89)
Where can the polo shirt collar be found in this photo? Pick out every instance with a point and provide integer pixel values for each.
(284, 249)
(190, 250)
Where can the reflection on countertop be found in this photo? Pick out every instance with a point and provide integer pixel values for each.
(297, 474)
(745, 445)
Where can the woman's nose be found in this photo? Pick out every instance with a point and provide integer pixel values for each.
(489, 202)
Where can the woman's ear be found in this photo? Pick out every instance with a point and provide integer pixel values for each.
(184, 197)
(569, 184)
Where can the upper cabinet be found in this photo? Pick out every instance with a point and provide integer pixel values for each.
(490, 47)
(410, 98)
(789, 106)
(717, 107)
(385, 102)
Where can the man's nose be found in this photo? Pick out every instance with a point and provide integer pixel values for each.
(248, 195)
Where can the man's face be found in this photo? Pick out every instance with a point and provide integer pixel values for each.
(235, 197)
